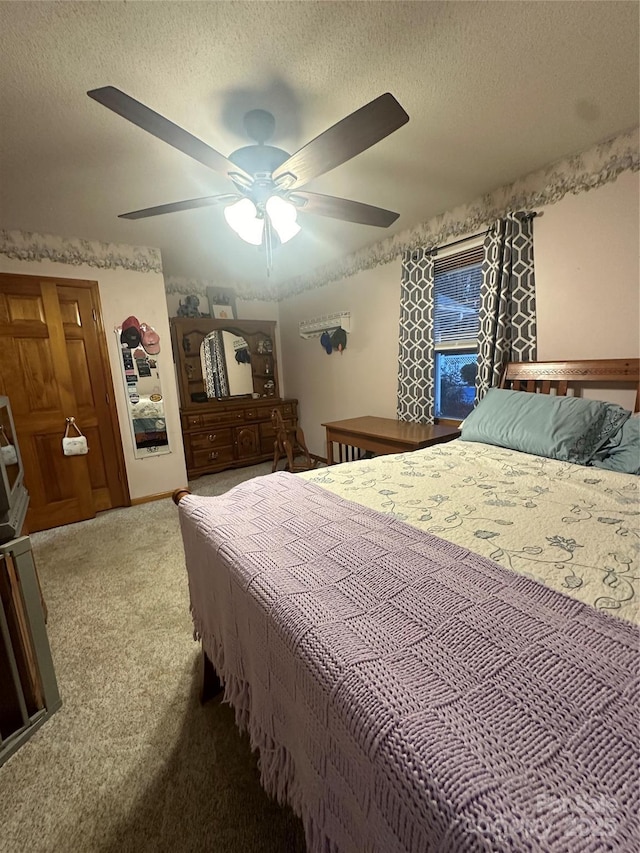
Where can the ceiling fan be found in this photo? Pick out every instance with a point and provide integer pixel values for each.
(268, 182)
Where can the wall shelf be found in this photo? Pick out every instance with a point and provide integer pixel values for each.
(327, 323)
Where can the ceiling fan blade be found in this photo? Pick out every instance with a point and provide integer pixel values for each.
(344, 140)
(175, 206)
(343, 208)
(162, 128)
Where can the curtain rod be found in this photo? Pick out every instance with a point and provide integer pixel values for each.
(436, 249)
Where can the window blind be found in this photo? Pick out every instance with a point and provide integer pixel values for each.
(456, 292)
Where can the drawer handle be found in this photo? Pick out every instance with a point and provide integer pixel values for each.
(214, 454)
(212, 436)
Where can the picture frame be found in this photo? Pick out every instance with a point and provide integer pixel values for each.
(222, 312)
(222, 303)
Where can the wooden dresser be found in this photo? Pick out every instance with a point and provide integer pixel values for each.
(230, 431)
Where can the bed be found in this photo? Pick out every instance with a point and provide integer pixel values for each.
(437, 650)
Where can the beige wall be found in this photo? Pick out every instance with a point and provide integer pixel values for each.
(123, 292)
(587, 250)
(363, 379)
(587, 284)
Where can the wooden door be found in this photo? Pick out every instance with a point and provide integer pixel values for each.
(54, 365)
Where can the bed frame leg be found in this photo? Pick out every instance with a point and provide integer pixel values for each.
(211, 686)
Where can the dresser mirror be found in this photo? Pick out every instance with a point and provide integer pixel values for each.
(225, 362)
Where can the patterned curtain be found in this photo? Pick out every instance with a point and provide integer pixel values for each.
(507, 316)
(214, 366)
(416, 359)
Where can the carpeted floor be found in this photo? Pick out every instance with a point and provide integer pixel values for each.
(132, 761)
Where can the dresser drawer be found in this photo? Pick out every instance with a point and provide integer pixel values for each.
(191, 422)
(211, 419)
(214, 439)
(208, 457)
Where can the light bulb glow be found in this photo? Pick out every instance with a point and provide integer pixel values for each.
(283, 215)
(243, 218)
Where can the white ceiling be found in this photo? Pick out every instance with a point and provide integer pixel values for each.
(494, 90)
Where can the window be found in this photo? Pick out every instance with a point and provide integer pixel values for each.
(456, 295)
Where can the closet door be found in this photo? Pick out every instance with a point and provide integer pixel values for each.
(53, 366)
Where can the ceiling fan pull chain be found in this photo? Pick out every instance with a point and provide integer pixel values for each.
(267, 237)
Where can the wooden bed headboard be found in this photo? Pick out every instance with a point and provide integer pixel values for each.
(560, 376)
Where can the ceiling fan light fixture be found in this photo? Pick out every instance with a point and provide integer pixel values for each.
(266, 175)
(243, 218)
(283, 215)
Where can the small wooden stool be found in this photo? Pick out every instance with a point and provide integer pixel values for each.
(289, 442)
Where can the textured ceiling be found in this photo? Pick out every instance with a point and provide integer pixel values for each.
(494, 90)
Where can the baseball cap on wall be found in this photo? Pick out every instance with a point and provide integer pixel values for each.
(130, 321)
(130, 336)
(339, 339)
(150, 339)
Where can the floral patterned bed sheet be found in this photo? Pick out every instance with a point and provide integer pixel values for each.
(574, 528)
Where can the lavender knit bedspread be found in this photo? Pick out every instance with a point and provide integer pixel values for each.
(408, 695)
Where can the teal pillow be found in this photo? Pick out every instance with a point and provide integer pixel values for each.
(571, 429)
(622, 451)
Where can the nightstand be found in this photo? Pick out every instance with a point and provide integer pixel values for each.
(381, 436)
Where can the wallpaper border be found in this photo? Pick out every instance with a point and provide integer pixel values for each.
(184, 286)
(31, 246)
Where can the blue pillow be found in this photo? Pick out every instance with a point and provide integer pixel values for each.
(571, 429)
(622, 451)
